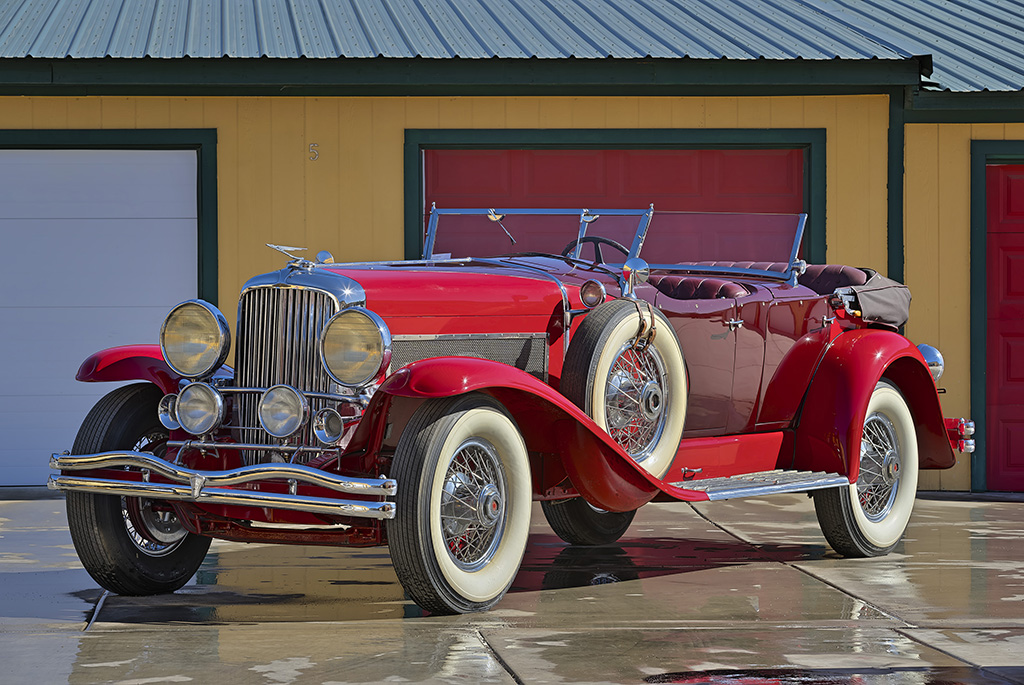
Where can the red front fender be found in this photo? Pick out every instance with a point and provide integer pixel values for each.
(129, 363)
(549, 422)
(829, 431)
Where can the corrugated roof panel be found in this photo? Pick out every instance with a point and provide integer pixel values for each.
(25, 26)
(346, 27)
(314, 35)
(170, 26)
(975, 44)
(130, 36)
(241, 37)
(59, 29)
(276, 30)
(205, 24)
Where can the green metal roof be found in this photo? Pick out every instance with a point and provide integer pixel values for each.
(972, 41)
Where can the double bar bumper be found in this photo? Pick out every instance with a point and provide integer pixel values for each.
(213, 487)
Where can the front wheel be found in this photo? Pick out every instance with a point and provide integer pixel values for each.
(130, 545)
(868, 518)
(463, 508)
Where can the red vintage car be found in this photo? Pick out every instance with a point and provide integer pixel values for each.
(607, 359)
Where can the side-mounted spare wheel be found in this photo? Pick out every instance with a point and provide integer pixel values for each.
(868, 518)
(463, 507)
(632, 382)
(130, 545)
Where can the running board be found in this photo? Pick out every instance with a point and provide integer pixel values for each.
(763, 483)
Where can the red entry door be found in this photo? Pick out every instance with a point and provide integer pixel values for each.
(1004, 366)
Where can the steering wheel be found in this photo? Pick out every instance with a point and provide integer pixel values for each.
(597, 241)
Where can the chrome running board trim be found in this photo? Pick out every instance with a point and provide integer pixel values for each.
(764, 483)
(202, 486)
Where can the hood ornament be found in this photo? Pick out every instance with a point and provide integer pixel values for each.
(287, 251)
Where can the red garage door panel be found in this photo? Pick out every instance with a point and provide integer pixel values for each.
(681, 180)
(1005, 332)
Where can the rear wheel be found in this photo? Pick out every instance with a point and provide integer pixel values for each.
(130, 545)
(463, 508)
(868, 518)
(579, 523)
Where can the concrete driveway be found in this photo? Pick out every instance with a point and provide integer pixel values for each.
(739, 592)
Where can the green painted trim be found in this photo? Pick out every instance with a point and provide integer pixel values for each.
(811, 140)
(895, 231)
(983, 153)
(980, 107)
(203, 141)
(418, 76)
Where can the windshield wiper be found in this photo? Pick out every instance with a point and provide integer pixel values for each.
(496, 218)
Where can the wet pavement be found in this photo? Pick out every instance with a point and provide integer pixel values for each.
(745, 591)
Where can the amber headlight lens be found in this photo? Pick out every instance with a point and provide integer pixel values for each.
(355, 347)
(195, 338)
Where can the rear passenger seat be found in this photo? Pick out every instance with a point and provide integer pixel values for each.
(821, 278)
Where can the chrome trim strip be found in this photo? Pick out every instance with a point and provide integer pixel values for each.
(315, 505)
(244, 474)
(471, 336)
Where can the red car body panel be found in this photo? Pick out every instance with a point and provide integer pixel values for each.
(830, 425)
(129, 363)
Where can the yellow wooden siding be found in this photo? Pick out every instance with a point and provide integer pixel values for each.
(350, 198)
(937, 221)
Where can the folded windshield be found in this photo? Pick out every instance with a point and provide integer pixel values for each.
(760, 242)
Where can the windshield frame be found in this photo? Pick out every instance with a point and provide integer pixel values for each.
(644, 218)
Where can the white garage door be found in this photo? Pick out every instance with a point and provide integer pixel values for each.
(97, 246)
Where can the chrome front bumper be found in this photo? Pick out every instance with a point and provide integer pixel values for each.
(212, 486)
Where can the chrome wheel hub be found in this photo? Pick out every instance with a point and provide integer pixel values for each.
(154, 531)
(880, 467)
(473, 504)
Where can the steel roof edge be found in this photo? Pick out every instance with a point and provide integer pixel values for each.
(419, 76)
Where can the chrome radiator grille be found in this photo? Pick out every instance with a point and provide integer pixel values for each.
(278, 332)
(526, 351)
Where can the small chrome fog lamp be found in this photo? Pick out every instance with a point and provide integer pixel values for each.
(283, 410)
(592, 293)
(199, 409)
(167, 411)
(932, 357)
(328, 426)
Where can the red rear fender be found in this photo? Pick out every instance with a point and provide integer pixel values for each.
(129, 363)
(551, 425)
(832, 418)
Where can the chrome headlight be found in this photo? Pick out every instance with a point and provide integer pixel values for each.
(355, 347)
(195, 338)
(283, 411)
(200, 409)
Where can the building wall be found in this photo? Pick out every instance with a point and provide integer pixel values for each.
(937, 221)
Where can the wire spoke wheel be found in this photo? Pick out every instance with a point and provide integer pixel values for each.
(635, 396)
(130, 545)
(472, 504)
(463, 511)
(868, 518)
(879, 481)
